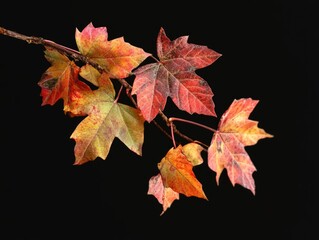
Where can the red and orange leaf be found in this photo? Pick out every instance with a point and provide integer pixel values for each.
(177, 172)
(227, 149)
(235, 120)
(165, 195)
(81, 100)
(91, 39)
(106, 120)
(60, 79)
(174, 76)
(117, 57)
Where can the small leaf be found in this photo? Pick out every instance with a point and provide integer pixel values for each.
(176, 175)
(176, 171)
(165, 195)
(92, 75)
(192, 151)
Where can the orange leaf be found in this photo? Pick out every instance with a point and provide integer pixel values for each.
(165, 195)
(174, 76)
(227, 149)
(117, 57)
(106, 120)
(60, 79)
(177, 174)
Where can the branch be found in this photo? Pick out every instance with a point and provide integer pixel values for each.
(78, 56)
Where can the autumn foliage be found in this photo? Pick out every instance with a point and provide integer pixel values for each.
(86, 89)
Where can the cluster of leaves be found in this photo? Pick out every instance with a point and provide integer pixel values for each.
(87, 90)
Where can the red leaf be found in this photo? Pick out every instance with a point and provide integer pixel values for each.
(174, 76)
(165, 195)
(180, 56)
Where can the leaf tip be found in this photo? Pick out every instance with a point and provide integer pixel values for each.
(205, 197)
(270, 135)
(76, 163)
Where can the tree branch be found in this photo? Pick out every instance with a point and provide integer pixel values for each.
(78, 56)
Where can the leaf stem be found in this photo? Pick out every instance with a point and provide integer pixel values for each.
(171, 119)
(173, 136)
(118, 94)
(174, 130)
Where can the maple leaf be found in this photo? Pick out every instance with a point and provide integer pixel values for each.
(165, 195)
(176, 175)
(227, 148)
(176, 171)
(106, 120)
(117, 57)
(174, 76)
(60, 79)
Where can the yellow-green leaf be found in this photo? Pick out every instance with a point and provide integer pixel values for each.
(106, 120)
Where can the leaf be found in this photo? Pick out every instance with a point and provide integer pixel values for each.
(117, 57)
(177, 174)
(89, 73)
(106, 120)
(192, 151)
(174, 76)
(60, 79)
(81, 100)
(165, 195)
(227, 148)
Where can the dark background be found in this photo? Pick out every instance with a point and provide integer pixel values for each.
(270, 51)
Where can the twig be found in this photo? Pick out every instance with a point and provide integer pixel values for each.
(78, 56)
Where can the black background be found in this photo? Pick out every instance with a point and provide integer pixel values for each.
(269, 53)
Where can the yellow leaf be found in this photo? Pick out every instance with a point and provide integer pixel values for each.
(117, 57)
(105, 121)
